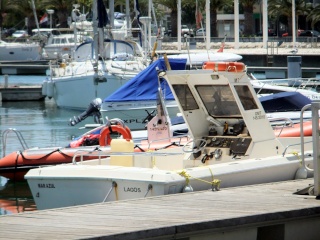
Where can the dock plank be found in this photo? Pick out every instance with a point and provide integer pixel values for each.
(166, 215)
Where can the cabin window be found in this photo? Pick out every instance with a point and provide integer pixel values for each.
(63, 40)
(218, 100)
(185, 97)
(246, 97)
(71, 40)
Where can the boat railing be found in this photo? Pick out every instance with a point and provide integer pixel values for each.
(78, 70)
(298, 83)
(291, 145)
(100, 155)
(171, 141)
(286, 122)
(5, 138)
(306, 107)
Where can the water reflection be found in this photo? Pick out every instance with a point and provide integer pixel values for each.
(41, 124)
(15, 197)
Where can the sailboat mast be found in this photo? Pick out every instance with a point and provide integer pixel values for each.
(95, 31)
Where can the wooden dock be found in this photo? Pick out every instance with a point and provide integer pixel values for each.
(21, 93)
(24, 67)
(266, 211)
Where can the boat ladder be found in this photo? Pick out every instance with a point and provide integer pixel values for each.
(5, 137)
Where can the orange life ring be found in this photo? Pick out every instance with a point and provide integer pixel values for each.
(105, 138)
(225, 66)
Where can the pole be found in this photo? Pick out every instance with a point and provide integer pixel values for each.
(265, 22)
(179, 25)
(236, 24)
(208, 27)
(293, 23)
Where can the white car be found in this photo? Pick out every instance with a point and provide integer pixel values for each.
(20, 33)
(186, 30)
(201, 32)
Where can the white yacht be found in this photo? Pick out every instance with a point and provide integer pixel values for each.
(232, 144)
(13, 51)
(63, 45)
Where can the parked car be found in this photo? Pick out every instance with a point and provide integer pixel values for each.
(201, 32)
(298, 33)
(186, 30)
(20, 33)
(271, 33)
(310, 33)
(8, 32)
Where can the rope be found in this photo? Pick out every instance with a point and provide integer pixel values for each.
(297, 155)
(114, 185)
(50, 153)
(215, 183)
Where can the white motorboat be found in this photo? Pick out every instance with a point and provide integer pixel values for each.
(63, 45)
(233, 144)
(19, 51)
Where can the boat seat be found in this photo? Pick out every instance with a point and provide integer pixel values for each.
(121, 146)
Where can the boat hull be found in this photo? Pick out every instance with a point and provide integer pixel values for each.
(19, 52)
(84, 90)
(63, 185)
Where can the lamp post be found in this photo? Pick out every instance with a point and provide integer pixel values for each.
(50, 12)
(278, 15)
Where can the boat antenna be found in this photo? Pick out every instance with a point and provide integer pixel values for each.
(186, 40)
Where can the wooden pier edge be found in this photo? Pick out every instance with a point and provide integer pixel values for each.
(265, 211)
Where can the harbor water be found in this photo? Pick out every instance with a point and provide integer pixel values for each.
(41, 124)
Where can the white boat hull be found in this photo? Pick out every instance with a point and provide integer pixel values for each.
(76, 92)
(110, 183)
(19, 52)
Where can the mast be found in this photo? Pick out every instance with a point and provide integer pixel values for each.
(34, 14)
(95, 31)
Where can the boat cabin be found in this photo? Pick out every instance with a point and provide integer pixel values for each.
(223, 114)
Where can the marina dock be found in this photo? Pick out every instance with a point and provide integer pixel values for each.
(21, 93)
(24, 67)
(265, 211)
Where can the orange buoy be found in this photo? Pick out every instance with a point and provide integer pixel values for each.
(224, 66)
(105, 138)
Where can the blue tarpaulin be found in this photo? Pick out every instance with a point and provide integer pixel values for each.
(144, 86)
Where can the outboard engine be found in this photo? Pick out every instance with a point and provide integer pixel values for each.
(92, 110)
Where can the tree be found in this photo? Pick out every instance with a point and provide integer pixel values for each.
(284, 7)
(62, 9)
(5, 8)
(248, 16)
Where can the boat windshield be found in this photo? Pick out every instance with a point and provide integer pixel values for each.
(185, 97)
(218, 100)
(246, 98)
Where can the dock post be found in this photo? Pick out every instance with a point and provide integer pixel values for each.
(294, 70)
(6, 80)
(315, 106)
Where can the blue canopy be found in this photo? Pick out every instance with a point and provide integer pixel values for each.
(284, 102)
(144, 86)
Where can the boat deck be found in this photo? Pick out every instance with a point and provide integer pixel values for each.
(255, 212)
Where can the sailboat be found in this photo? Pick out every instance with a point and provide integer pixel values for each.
(97, 69)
